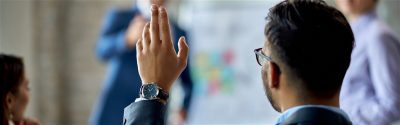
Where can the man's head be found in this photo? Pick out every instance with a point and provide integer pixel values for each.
(144, 6)
(356, 7)
(309, 45)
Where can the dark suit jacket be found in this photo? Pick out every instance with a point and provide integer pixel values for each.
(152, 113)
(316, 116)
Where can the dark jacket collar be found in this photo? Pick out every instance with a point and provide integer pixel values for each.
(316, 116)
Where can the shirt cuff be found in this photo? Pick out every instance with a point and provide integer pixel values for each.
(140, 99)
(144, 99)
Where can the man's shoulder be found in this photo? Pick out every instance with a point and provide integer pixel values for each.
(316, 116)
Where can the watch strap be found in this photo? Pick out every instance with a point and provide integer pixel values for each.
(162, 94)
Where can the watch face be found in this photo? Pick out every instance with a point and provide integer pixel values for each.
(150, 91)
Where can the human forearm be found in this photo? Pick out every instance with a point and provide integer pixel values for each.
(159, 64)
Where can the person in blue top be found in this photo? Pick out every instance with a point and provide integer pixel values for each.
(371, 88)
(116, 47)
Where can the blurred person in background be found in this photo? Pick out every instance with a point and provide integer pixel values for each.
(116, 47)
(14, 92)
(305, 56)
(371, 88)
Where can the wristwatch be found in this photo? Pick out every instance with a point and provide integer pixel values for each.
(151, 91)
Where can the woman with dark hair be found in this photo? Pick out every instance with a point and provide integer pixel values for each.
(14, 92)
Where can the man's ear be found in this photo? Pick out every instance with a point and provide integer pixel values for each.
(274, 74)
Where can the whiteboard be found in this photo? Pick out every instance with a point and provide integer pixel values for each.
(228, 87)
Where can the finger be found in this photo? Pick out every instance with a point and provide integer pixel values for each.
(146, 36)
(155, 32)
(139, 46)
(165, 29)
(183, 51)
(139, 49)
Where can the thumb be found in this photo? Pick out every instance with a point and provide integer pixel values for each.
(183, 51)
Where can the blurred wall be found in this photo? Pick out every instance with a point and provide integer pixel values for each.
(56, 38)
(228, 86)
(389, 10)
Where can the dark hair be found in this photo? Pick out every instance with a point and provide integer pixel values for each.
(12, 71)
(313, 43)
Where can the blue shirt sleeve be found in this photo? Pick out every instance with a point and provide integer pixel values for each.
(112, 38)
(384, 58)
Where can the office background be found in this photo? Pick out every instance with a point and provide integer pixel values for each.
(56, 38)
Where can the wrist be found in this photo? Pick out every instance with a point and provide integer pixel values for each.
(166, 89)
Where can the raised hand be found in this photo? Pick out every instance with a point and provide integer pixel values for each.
(157, 60)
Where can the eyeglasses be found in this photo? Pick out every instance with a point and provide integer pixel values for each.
(261, 58)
